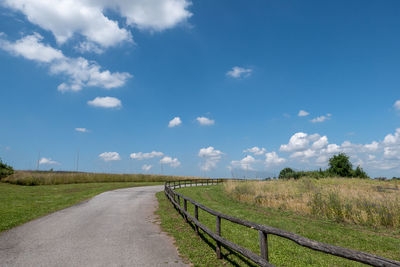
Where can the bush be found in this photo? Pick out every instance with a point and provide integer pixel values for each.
(5, 170)
(360, 173)
(340, 165)
(288, 173)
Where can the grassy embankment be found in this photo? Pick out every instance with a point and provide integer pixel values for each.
(379, 241)
(27, 195)
(53, 178)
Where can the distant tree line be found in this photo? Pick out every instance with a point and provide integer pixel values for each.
(5, 170)
(339, 166)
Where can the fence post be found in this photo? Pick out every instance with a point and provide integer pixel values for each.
(263, 245)
(179, 200)
(218, 232)
(196, 215)
(185, 208)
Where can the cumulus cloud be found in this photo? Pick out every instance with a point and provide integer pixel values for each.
(79, 71)
(272, 158)
(48, 161)
(105, 102)
(82, 130)
(316, 150)
(321, 118)
(299, 141)
(211, 157)
(150, 155)
(396, 105)
(245, 163)
(239, 72)
(110, 156)
(255, 150)
(205, 121)
(174, 122)
(303, 113)
(65, 18)
(146, 167)
(173, 162)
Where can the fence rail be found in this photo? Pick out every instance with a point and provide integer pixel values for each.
(263, 230)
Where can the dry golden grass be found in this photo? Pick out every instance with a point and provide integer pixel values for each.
(358, 201)
(53, 178)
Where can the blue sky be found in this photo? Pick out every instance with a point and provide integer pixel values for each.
(210, 88)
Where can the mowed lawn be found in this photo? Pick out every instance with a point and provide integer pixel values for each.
(20, 204)
(282, 252)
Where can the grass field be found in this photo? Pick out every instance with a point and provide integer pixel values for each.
(282, 252)
(19, 204)
(358, 201)
(54, 178)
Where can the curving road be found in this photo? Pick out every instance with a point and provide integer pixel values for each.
(115, 228)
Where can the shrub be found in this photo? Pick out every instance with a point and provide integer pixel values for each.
(340, 165)
(287, 173)
(5, 170)
(360, 173)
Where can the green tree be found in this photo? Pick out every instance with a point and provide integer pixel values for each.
(5, 170)
(340, 165)
(287, 173)
(360, 173)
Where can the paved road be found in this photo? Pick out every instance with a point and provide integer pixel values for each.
(115, 228)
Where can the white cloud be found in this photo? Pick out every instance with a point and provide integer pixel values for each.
(48, 161)
(30, 47)
(320, 143)
(396, 105)
(211, 157)
(146, 167)
(303, 113)
(245, 163)
(150, 155)
(82, 130)
(205, 121)
(304, 154)
(321, 118)
(272, 158)
(298, 141)
(173, 162)
(255, 150)
(84, 47)
(239, 72)
(373, 146)
(174, 122)
(79, 71)
(316, 150)
(105, 102)
(110, 156)
(65, 18)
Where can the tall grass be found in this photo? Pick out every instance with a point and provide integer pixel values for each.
(358, 201)
(54, 178)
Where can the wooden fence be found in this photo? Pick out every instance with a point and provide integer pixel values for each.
(263, 231)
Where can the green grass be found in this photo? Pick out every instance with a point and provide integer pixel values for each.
(282, 252)
(19, 204)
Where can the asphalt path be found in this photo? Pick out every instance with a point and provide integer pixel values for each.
(115, 228)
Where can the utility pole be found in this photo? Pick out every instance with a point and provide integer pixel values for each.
(38, 162)
(77, 161)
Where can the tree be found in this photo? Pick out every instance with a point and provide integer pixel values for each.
(5, 170)
(340, 165)
(360, 173)
(287, 173)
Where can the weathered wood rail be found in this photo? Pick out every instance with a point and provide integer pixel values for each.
(263, 230)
